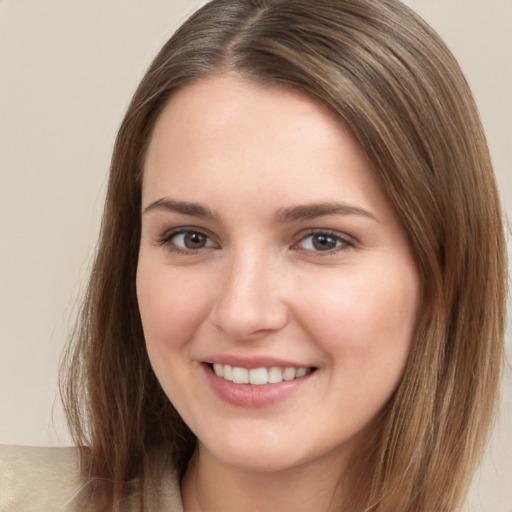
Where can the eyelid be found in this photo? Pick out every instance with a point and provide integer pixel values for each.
(347, 241)
(166, 239)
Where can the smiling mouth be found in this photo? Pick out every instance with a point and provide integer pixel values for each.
(258, 376)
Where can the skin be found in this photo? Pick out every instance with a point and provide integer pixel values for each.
(260, 284)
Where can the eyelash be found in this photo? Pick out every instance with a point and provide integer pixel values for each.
(166, 240)
(342, 242)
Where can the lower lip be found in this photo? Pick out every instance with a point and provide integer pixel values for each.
(249, 395)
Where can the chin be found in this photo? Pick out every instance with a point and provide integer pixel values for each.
(256, 460)
(270, 452)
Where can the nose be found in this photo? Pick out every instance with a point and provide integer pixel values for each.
(250, 301)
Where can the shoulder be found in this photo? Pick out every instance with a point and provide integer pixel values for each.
(35, 478)
(49, 479)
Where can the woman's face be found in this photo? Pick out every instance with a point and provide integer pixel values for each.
(276, 285)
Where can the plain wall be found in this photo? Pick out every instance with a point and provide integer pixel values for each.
(67, 72)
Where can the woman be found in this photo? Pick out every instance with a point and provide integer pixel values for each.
(298, 297)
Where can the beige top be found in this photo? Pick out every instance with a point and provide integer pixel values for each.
(34, 479)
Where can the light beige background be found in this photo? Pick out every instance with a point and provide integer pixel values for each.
(67, 71)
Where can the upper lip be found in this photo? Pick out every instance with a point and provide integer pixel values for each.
(252, 362)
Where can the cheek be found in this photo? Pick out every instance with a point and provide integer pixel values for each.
(365, 320)
(172, 306)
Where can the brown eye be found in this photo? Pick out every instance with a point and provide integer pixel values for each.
(193, 240)
(324, 242)
(188, 241)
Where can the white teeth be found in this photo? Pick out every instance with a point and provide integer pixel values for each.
(218, 369)
(258, 376)
(227, 373)
(289, 373)
(275, 375)
(300, 372)
(240, 375)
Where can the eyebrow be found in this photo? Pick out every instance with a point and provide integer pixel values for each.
(311, 211)
(283, 215)
(184, 207)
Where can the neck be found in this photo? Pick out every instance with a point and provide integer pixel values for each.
(211, 486)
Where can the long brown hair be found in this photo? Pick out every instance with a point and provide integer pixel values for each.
(390, 77)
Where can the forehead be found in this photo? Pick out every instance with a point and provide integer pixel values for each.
(224, 136)
(220, 102)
